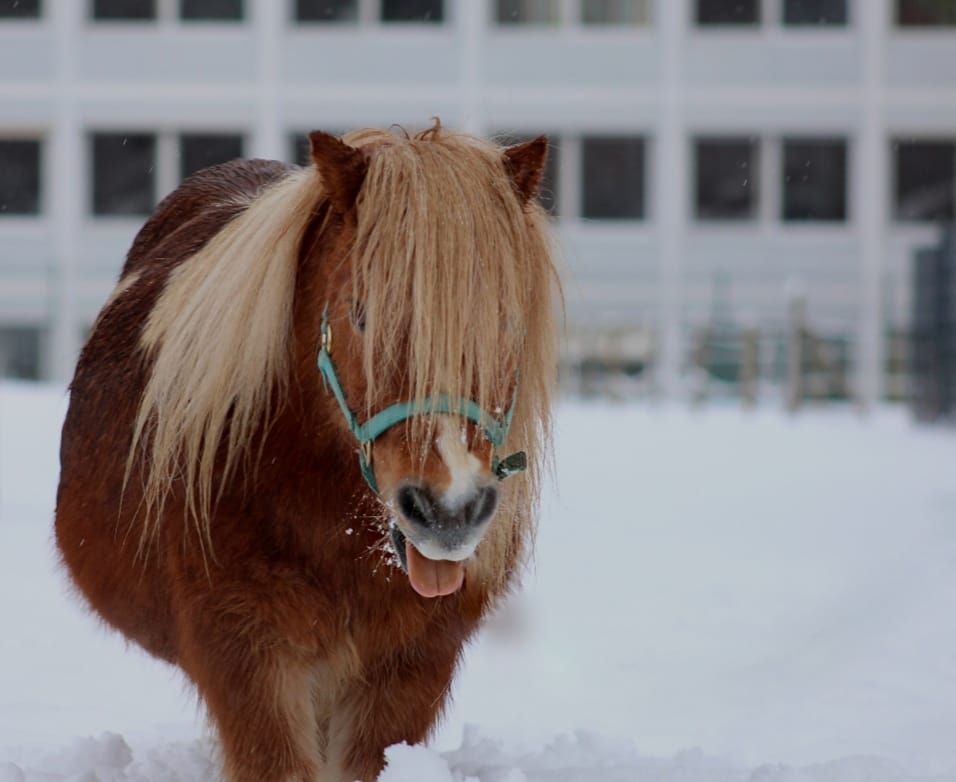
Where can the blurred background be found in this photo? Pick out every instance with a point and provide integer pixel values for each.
(754, 198)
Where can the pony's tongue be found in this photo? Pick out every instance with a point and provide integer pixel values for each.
(431, 577)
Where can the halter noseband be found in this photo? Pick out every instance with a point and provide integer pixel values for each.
(495, 430)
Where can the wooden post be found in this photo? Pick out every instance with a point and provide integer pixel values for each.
(796, 331)
(749, 365)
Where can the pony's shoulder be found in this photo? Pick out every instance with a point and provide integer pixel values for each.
(205, 201)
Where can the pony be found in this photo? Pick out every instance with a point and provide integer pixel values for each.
(283, 463)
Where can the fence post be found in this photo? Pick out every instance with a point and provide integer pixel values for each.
(749, 365)
(796, 330)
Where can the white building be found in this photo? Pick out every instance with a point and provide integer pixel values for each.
(711, 155)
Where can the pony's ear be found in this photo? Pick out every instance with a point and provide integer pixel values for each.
(525, 164)
(342, 167)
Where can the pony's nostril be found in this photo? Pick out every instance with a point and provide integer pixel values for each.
(417, 505)
(481, 508)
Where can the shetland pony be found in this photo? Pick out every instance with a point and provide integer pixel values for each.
(393, 300)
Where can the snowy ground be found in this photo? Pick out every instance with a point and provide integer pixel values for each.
(717, 596)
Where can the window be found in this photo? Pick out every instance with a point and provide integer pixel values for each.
(123, 173)
(612, 178)
(926, 13)
(823, 13)
(528, 11)
(219, 10)
(615, 11)
(124, 9)
(728, 12)
(20, 352)
(198, 150)
(19, 9)
(19, 177)
(300, 150)
(412, 11)
(925, 180)
(726, 173)
(814, 179)
(326, 10)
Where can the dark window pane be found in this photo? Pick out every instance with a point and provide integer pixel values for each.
(326, 10)
(20, 352)
(612, 178)
(299, 149)
(615, 11)
(211, 9)
(19, 9)
(124, 9)
(925, 13)
(412, 11)
(528, 11)
(925, 180)
(726, 176)
(19, 177)
(728, 12)
(199, 150)
(814, 179)
(814, 12)
(123, 173)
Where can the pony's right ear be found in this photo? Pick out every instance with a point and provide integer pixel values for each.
(342, 168)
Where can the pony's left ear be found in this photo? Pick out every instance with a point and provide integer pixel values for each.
(525, 164)
(342, 168)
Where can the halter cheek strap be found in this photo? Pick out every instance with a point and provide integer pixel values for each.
(366, 433)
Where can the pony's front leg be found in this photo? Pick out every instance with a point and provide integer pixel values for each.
(258, 690)
(397, 700)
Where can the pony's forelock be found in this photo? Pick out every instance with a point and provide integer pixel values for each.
(458, 286)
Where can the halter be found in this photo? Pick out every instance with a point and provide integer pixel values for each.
(494, 429)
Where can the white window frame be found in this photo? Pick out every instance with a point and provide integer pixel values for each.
(167, 15)
(370, 15)
(570, 15)
(167, 162)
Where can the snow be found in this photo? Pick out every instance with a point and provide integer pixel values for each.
(717, 595)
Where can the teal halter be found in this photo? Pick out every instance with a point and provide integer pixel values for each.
(495, 430)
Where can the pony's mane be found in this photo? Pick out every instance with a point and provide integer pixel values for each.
(219, 335)
(456, 280)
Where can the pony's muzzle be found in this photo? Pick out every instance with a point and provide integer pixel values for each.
(432, 539)
(451, 529)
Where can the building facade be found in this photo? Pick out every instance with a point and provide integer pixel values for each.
(711, 157)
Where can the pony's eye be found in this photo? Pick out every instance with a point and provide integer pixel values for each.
(357, 316)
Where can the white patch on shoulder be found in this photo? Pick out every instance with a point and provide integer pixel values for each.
(463, 466)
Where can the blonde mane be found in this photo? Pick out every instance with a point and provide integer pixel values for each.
(458, 287)
(219, 339)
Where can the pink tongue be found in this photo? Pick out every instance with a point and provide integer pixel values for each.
(431, 577)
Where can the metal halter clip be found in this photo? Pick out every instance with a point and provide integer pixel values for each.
(510, 465)
(367, 452)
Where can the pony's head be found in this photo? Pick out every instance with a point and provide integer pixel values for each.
(405, 285)
(437, 337)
